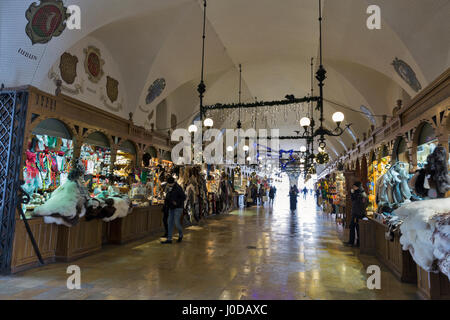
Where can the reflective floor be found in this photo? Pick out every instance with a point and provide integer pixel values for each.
(257, 253)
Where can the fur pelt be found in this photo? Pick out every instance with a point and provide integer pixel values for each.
(108, 209)
(426, 233)
(65, 206)
(116, 207)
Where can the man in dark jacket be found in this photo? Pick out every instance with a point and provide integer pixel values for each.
(175, 197)
(359, 205)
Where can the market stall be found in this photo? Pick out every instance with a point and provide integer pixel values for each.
(47, 164)
(426, 144)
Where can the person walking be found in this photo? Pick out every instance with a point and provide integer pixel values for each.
(165, 210)
(359, 205)
(272, 193)
(262, 194)
(175, 198)
(293, 193)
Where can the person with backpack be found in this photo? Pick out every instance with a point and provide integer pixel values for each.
(359, 205)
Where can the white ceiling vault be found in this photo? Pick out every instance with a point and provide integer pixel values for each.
(142, 41)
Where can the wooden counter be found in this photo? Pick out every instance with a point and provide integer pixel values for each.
(367, 237)
(140, 223)
(24, 256)
(432, 285)
(78, 241)
(391, 254)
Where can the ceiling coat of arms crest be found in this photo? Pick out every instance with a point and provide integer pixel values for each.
(46, 20)
(155, 90)
(112, 88)
(68, 67)
(93, 64)
(407, 73)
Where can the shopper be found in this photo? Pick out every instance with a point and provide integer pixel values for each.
(272, 193)
(262, 194)
(305, 191)
(254, 194)
(175, 197)
(165, 210)
(293, 193)
(359, 205)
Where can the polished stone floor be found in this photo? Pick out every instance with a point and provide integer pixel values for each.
(257, 253)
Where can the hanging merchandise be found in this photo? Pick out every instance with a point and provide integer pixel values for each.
(392, 187)
(66, 205)
(47, 164)
(375, 171)
(426, 145)
(433, 180)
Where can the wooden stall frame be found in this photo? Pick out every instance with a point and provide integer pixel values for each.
(81, 119)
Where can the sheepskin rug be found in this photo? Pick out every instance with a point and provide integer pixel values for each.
(426, 233)
(121, 205)
(65, 206)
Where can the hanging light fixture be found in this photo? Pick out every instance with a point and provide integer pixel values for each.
(246, 148)
(209, 123)
(230, 149)
(192, 128)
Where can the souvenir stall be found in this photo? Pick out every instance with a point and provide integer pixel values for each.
(426, 144)
(48, 160)
(146, 194)
(95, 155)
(72, 199)
(124, 167)
(376, 169)
(212, 185)
(239, 186)
(339, 194)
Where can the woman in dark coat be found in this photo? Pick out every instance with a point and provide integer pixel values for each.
(359, 205)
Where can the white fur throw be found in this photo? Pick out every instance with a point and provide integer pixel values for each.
(426, 233)
(66, 202)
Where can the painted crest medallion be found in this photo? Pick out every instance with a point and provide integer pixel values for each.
(112, 88)
(68, 67)
(46, 20)
(155, 90)
(93, 64)
(407, 73)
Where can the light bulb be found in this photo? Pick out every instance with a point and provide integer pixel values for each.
(338, 117)
(321, 149)
(249, 159)
(302, 149)
(305, 122)
(208, 122)
(192, 128)
(246, 148)
(230, 149)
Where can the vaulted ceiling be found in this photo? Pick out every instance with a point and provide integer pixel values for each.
(273, 40)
